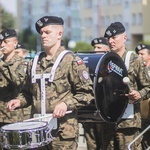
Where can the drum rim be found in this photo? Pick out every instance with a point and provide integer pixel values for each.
(4, 128)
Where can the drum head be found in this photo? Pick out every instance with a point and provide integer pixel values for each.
(21, 126)
(109, 88)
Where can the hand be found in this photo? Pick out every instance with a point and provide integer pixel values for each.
(60, 110)
(11, 105)
(134, 96)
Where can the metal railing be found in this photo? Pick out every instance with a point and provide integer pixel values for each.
(129, 146)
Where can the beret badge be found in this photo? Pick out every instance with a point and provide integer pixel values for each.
(39, 23)
(108, 33)
(1, 37)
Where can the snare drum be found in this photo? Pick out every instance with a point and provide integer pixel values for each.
(25, 135)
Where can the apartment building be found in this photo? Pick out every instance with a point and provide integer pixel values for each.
(132, 13)
(87, 19)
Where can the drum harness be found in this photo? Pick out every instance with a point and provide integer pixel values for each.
(129, 112)
(42, 78)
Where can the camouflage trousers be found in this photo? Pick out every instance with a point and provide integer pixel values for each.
(98, 135)
(104, 136)
(146, 135)
(123, 137)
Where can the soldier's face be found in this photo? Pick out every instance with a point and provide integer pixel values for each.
(117, 42)
(145, 55)
(50, 35)
(9, 45)
(101, 48)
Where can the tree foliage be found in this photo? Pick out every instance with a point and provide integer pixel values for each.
(8, 20)
(29, 38)
(82, 47)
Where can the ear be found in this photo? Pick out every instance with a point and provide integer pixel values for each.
(125, 37)
(59, 34)
(15, 43)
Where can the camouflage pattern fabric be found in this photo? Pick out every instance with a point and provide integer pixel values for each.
(146, 118)
(128, 129)
(12, 75)
(71, 85)
(98, 134)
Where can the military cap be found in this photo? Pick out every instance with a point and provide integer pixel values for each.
(114, 29)
(141, 47)
(48, 20)
(101, 40)
(7, 33)
(20, 45)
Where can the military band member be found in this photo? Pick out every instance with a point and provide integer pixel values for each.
(100, 45)
(128, 128)
(69, 88)
(95, 129)
(21, 50)
(12, 75)
(143, 51)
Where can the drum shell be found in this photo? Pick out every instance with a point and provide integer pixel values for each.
(24, 138)
(110, 100)
(87, 113)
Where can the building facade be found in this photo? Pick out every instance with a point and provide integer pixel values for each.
(87, 19)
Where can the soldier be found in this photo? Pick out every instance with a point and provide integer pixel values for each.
(100, 45)
(143, 51)
(69, 87)
(21, 50)
(95, 128)
(128, 128)
(12, 75)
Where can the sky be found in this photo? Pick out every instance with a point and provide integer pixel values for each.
(10, 6)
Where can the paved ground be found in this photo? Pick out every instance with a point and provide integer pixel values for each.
(82, 141)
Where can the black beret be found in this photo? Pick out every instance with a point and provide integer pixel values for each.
(7, 33)
(141, 47)
(48, 20)
(114, 29)
(101, 40)
(20, 45)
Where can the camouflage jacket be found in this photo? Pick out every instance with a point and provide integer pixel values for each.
(139, 82)
(71, 85)
(12, 75)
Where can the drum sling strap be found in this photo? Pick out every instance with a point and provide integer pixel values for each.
(42, 77)
(129, 112)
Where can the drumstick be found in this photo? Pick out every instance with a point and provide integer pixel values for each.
(126, 81)
(41, 117)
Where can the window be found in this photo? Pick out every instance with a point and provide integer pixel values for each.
(133, 19)
(140, 19)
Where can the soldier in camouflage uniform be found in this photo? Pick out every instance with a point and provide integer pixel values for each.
(143, 51)
(21, 51)
(70, 89)
(128, 129)
(95, 128)
(12, 75)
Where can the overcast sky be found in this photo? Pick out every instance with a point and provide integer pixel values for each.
(10, 6)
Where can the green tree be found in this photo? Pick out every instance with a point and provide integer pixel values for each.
(29, 38)
(82, 47)
(8, 21)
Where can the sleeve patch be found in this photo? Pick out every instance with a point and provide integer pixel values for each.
(80, 62)
(85, 75)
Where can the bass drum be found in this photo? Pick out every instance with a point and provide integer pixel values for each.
(109, 87)
(107, 71)
(88, 113)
